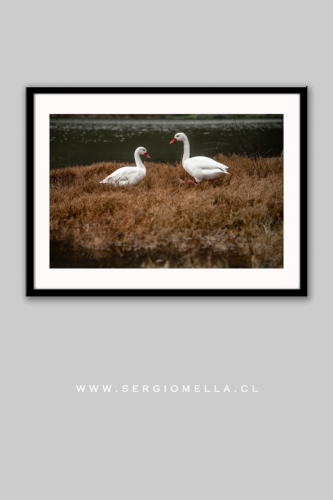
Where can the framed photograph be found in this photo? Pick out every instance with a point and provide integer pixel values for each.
(167, 191)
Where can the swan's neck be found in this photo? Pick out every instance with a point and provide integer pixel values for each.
(138, 161)
(186, 154)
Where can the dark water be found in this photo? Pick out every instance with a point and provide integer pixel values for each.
(86, 141)
(62, 255)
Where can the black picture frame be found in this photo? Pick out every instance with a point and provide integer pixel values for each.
(31, 147)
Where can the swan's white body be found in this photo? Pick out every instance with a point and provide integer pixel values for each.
(129, 176)
(199, 167)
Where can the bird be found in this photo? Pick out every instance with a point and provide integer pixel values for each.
(199, 167)
(129, 176)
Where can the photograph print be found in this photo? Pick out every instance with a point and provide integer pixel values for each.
(165, 194)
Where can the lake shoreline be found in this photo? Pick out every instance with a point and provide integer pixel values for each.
(232, 222)
(165, 117)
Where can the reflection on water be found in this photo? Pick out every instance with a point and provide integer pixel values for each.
(62, 255)
(87, 141)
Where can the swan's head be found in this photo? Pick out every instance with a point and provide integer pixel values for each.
(143, 151)
(179, 137)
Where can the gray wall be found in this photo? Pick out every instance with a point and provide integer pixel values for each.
(61, 445)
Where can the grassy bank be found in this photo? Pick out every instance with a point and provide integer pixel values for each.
(235, 221)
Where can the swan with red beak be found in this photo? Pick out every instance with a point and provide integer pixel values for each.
(129, 176)
(199, 167)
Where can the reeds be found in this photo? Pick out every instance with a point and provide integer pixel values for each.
(235, 221)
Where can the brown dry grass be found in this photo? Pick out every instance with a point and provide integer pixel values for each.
(235, 221)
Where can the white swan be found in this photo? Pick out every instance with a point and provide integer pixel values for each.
(129, 176)
(199, 167)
